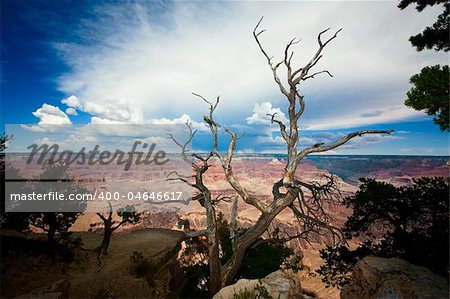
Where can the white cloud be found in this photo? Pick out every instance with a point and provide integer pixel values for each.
(43, 140)
(115, 110)
(71, 111)
(147, 67)
(49, 114)
(51, 119)
(165, 121)
(182, 120)
(260, 114)
(72, 102)
(104, 121)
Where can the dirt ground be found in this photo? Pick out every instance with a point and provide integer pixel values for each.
(88, 279)
(114, 276)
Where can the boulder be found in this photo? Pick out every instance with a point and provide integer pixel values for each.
(393, 278)
(279, 284)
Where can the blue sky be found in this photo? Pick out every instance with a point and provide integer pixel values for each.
(103, 62)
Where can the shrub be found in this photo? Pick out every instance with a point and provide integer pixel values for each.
(140, 265)
(410, 222)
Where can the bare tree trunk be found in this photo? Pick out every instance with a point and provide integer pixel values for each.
(215, 267)
(102, 249)
(106, 238)
(128, 216)
(215, 271)
(245, 241)
(51, 232)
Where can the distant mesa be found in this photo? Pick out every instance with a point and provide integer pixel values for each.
(275, 161)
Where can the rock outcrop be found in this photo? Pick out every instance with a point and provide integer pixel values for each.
(279, 284)
(394, 278)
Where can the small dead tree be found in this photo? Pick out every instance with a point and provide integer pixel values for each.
(288, 192)
(128, 215)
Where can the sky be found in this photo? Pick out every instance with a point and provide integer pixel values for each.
(120, 62)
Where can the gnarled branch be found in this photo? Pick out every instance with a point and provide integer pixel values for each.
(227, 161)
(280, 123)
(324, 148)
(303, 72)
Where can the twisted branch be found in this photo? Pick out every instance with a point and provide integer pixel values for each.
(324, 148)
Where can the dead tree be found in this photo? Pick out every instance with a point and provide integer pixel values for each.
(128, 215)
(288, 192)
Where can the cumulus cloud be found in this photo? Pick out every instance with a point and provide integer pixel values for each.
(49, 114)
(260, 114)
(71, 111)
(72, 102)
(51, 119)
(114, 110)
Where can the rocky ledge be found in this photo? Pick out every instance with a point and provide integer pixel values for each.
(279, 284)
(393, 278)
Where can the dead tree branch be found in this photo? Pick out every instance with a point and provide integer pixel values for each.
(233, 221)
(282, 126)
(343, 140)
(226, 162)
